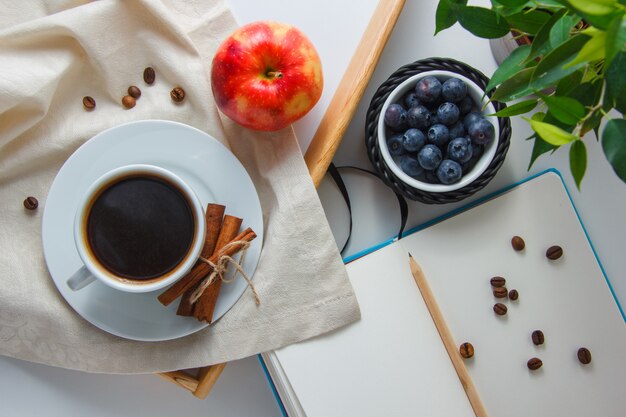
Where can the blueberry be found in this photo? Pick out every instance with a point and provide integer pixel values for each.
(481, 132)
(449, 171)
(477, 150)
(471, 118)
(457, 130)
(395, 117)
(428, 89)
(431, 177)
(466, 105)
(410, 100)
(453, 90)
(448, 113)
(413, 140)
(438, 135)
(460, 150)
(410, 166)
(418, 117)
(429, 157)
(394, 144)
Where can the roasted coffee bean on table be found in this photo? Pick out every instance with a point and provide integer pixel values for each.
(537, 337)
(584, 355)
(128, 102)
(518, 243)
(500, 292)
(554, 252)
(498, 282)
(513, 294)
(134, 91)
(500, 309)
(149, 75)
(466, 350)
(31, 203)
(534, 364)
(89, 102)
(177, 94)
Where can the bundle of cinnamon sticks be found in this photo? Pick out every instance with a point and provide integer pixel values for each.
(221, 232)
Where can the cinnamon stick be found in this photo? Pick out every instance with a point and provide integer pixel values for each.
(202, 269)
(205, 305)
(214, 215)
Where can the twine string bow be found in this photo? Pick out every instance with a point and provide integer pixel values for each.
(220, 268)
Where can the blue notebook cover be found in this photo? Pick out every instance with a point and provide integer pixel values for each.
(447, 216)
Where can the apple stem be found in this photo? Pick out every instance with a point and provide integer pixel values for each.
(274, 74)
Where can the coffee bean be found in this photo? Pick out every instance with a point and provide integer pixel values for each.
(534, 364)
(554, 252)
(89, 102)
(498, 282)
(128, 102)
(31, 203)
(518, 243)
(538, 337)
(500, 292)
(513, 295)
(584, 355)
(134, 91)
(500, 309)
(177, 94)
(466, 350)
(149, 75)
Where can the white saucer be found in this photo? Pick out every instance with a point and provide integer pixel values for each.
(204, 163)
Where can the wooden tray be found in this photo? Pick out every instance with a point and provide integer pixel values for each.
(323, 146)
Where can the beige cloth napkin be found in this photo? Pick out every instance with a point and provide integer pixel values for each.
(52, 53)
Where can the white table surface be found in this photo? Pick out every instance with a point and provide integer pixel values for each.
(335, 28)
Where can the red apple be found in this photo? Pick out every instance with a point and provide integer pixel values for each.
(266, 75)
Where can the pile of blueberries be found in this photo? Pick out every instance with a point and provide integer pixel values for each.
(437, 133)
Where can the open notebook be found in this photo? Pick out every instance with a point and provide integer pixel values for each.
(393, 363)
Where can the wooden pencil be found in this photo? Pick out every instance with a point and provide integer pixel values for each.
(448, 340)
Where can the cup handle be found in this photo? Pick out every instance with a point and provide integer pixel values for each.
(80, 279)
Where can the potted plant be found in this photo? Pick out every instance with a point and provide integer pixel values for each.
(573, 71)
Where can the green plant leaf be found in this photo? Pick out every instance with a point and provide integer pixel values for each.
(482, 22)
(599, 21)
(588, 93)
(515, 87)
(614, 146)
(615, 39)
(561, 29)
(528, 21)
(578, 161)
(615, 95)
(569, 83)
(593, 50)
(510, 66)
(513, 3)
(595, 7)
(539, 148)
(552, 134)
(445, 16)
(541, 42)
(539, 116)
(565, 109)
(517, 108)
(553, 67)
(592, 123)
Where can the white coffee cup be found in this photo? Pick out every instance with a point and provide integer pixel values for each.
(101, 245)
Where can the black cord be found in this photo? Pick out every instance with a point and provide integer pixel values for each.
(333, 170)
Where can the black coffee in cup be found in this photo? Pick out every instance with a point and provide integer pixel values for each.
(140, 227)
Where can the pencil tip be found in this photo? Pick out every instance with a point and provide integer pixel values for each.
(410, 256)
